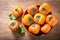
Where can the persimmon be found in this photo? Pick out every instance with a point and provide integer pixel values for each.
(27, 20)
(46, 28)
(34, 28)
(39, 18)
(17, 11)
(13, 25)
(51, 20)
(45, 8)
(32, 9)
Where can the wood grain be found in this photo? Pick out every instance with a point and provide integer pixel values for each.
(5, 9)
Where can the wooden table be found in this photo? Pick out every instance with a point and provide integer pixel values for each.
(5, 9)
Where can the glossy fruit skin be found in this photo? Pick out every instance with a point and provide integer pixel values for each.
(17, 11)
(45, 8)
(41, 19)
(46, 28)
(53, 21)
(26, 20)
(16, 24)
(34, 28)
(33, 9)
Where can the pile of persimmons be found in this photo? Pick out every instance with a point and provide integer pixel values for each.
(39, 18)
(36, 19)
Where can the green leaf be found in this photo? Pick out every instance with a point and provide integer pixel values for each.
(50, 18)
(43, 9)
(33, 25)
(34, 10)
(37, 18)
(30, 20)
(12, 17)
(21, 30)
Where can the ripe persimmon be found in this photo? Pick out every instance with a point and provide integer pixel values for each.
(13, 25)
(46, 28)
(51, 20)
(17, 11)
(34, 28)
(27, 20)
(45, 8)
(39, 18)
(32, 9)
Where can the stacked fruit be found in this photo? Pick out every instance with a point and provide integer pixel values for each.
(39, 19)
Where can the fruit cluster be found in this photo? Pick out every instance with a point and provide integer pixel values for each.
(14, 25)
(38, 18)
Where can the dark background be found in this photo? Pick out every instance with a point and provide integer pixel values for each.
(5, 9)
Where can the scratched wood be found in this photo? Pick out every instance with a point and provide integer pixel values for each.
(5, 9)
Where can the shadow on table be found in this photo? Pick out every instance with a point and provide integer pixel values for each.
(17, 34)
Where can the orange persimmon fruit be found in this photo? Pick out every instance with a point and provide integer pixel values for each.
(45, 8)
(13, 25)
(39, 18)
(32, 9)
(17, 11)
(51, 20)
(46, 28)
(27, 20)
(34, 28)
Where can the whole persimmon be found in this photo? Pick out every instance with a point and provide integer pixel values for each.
(34, 28)
(27, 20)
(39, 18)
(33, 9)
(45, 8)
(17, 11)
(46, 28)
(13, 25)
(51, 20)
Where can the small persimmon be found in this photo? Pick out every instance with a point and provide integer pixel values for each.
(34, 28)
(13, 25)
(39, 18)
(27, 20)
(32, 9)
(17, 11)
(45, 8)
(46, 28)
(51, 20)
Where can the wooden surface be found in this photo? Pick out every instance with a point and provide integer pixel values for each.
(5, 9)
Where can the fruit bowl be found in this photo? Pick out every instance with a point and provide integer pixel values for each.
(43, 32)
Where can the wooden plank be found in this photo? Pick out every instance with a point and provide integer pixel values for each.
(5, 9)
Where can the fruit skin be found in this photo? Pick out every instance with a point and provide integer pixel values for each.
(17, 11)
(34, 28)
(11, 26)
(52, 21)
(46, 28)
(33, 9)
(26, 20)
(41, 19)
(45, 8)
